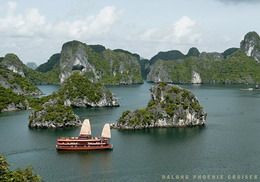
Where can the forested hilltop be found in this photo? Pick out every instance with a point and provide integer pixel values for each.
(235, 65)
(117, 67)
(8, 175)
(98, 64)
(55, 110)
(170, 106)
(95, 64)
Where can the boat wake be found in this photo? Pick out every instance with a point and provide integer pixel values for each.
(26, 151)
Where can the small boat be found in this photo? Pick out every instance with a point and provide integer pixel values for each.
(85, 141)
(246, 89)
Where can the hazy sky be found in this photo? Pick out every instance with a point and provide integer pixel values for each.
(35, 30)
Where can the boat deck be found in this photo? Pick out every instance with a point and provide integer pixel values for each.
(76, 143)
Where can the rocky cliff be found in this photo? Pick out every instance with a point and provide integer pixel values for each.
(99, 64)
(16, 85)
(209, 68)
(13, 63)
(145, 66)
(196, 79)
(251, 45)
(19, 84)
(55, 111)
(78, 91)
(159, 72)
(51, 69)
(53, 114)
(232, 66)
(170, 106)
(52, 64)
(10, 101)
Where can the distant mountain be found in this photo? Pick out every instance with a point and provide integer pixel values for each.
(127, 52)
(51, 69)
(52, 63)
(168, 55)
(31, 65)
(13, 63)
(237, 68)
(193, 52)
(98, 64)
(229, 52)
(235, 65)
(98, 48)
(251, 45)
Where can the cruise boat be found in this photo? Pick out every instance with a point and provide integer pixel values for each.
(85, 141)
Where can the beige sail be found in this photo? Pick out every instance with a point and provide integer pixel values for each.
(85, 128)
(106, 131)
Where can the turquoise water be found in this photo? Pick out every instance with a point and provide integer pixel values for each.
(229, 144)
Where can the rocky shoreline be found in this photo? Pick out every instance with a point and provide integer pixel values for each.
(121, 127)
(53, 114)
(170, 106)
(15, 107)
(51, 124)
(56, 110)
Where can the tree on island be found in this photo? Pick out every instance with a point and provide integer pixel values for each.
(7, 175)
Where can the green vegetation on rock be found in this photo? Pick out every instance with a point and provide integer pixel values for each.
(17, 83)
(110, 67)
(250, 45)
(51, 64)
(19, 175)
(55, 111)
(193, 52)
(11, 59)
(236, 68)
(14, 64)
(15, 90)
(11, 101)
(78, 86)
(170, 106)
(234, 65)
(168, 55)
(51, 69)
(98, 48)
(144, 63)
(229, 52)
(50, 112)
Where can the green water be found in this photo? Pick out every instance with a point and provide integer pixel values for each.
(229, 144)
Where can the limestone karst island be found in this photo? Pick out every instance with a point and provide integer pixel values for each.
(129, 91)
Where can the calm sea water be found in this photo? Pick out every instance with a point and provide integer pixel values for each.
(229, 144)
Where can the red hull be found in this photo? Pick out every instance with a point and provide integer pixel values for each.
(79, 144)
(83, 148)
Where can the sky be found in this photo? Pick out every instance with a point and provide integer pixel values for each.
(35, 30)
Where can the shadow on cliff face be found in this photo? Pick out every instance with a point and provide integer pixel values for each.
(78, 67)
